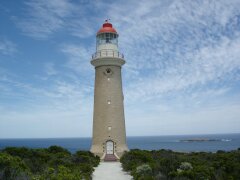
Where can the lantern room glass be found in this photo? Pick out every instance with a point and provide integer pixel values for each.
(104, 38)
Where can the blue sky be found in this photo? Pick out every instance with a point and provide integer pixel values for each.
(181, 77)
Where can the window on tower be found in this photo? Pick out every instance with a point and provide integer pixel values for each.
(108, 70)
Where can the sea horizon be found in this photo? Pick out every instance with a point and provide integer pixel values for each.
(126, 136)
(179, 143)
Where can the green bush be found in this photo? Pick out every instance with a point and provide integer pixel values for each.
(171, 165)
(48, 163)
(58, 149)
(13, 168)
(143, 172)
(185, 166)
(130, 160)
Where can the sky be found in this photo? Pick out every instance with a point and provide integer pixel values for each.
(182, 71)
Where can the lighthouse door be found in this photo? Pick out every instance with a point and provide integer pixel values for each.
(109, 146)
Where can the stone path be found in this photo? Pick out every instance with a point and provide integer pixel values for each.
(110, 171)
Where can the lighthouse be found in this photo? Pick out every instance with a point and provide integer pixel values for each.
(109, 133)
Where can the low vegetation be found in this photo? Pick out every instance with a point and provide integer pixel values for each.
(53, 163)
(169, 165)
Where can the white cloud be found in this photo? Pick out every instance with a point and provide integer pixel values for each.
(7, 47)
(174, 46)
(44, 18)
(209, 64)
(223, 118)
(154, 30)
(78, 58)
(82, 28)
(53, 123)
(62, 105)
(50, 70)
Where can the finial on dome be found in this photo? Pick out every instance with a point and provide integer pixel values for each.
(107, 20)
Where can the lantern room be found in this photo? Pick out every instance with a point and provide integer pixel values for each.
(107, 38)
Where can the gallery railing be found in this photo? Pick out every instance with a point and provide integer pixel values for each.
(107, 53)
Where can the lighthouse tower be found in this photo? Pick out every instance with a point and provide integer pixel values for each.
(109, 133)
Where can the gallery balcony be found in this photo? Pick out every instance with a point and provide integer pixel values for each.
(107, 53)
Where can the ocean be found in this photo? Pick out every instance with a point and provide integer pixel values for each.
(181, 143)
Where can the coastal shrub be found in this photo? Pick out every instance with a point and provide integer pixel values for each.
(167, 166)
(171, 165)
(46, 163)
(143, 171)
(61, 173)
(86, 157)
(130, 160)
(35, 159)
(58, 149)
(21, 152)
(160, 176)
(13, 168)
(165, 161)
(185, 166)
(85, 161)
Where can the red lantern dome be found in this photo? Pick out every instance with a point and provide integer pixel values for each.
(107, 27)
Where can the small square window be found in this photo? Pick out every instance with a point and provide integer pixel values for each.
(108, 72)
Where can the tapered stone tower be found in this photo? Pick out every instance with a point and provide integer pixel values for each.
(109, 134)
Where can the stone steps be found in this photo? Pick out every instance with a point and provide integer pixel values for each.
(110, 157)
